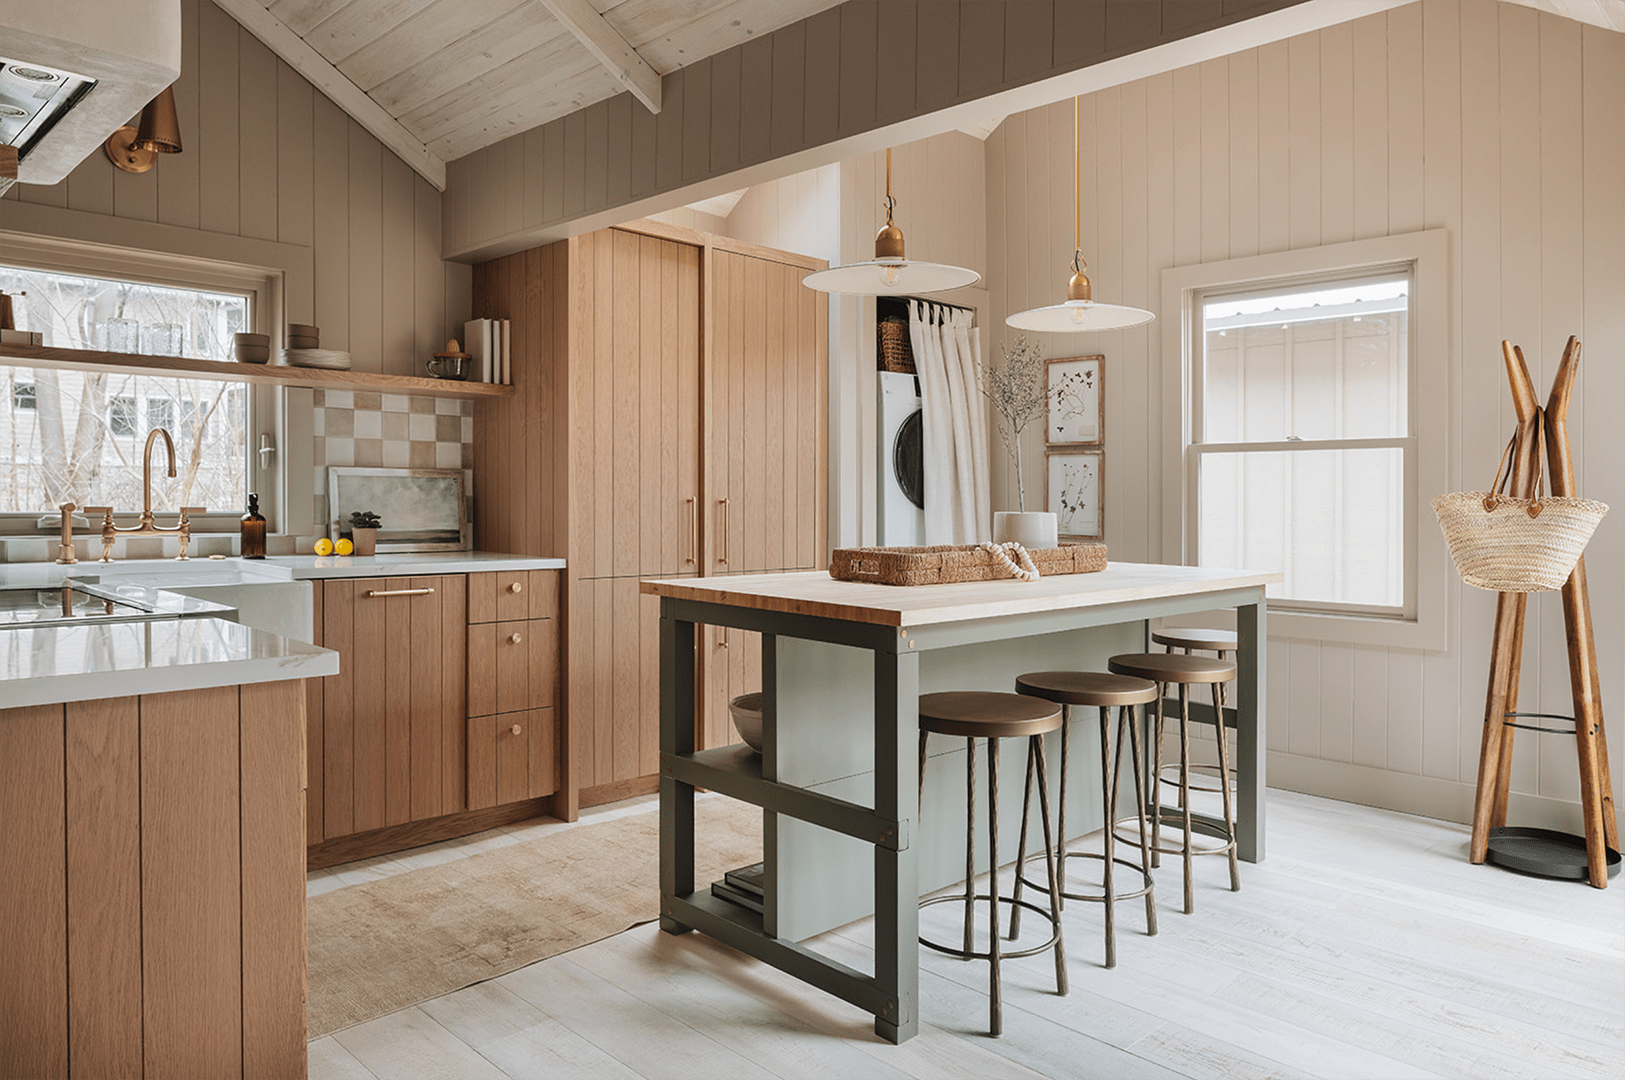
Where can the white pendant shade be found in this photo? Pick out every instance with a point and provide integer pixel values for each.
(1079, 316)
(889, 273)
(1078, 313)
(893, 277)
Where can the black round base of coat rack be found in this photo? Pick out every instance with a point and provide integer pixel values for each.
(1544, 852)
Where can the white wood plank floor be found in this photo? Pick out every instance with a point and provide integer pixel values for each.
(1365, 947)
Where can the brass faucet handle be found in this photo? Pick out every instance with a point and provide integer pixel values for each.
(104, 512)
(185, 529)
(64, 551)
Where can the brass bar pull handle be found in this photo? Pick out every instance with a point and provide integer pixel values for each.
(722, 504)
(692, 532)
(399, 592)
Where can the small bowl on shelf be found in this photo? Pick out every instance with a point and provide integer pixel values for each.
(251, 348)
(747, 715)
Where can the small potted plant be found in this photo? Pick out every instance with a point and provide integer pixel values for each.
(364, 532)
(1018, 386)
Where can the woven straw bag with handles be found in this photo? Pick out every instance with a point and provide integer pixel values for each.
(1506, 544)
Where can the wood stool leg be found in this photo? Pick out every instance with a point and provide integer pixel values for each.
(970, 846)
(1495, 749)
(1139, 804)
(1060, 811)
(996, 1005)
(1156, 781)
(920, 799)
(1185, 787)
(1224, 770)
(1021, 847)
(1036, 746)
(1108, 788)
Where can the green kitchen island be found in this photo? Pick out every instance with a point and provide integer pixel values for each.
(843, 665)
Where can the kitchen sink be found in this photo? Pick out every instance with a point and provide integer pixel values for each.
(74, 604)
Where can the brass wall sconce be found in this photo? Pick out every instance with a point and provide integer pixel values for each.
(157, 131)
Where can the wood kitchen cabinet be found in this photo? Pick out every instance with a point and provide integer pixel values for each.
(389, 745)
(670, 418)
(513, 685)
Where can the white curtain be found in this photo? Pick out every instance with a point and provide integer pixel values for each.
(946, 355)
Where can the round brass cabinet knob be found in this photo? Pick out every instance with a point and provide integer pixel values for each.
(514, 729)
(516, 587)
(514, 639)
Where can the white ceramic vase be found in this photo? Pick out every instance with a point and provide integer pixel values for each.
(1033, 529)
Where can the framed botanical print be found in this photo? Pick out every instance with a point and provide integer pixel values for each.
(1076, 402)
(1075, 492)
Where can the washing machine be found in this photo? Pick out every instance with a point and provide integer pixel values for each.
(901, 461)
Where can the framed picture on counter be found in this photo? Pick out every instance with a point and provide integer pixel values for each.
(418, 509)
(1075, 492)
(1077, 415)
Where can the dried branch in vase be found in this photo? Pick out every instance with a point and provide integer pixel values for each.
(1017, 384)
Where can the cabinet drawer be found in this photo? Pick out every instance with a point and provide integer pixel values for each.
(511, 757)
(513, 594)
(512, 666)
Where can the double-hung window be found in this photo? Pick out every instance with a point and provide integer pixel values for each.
(1311, 430)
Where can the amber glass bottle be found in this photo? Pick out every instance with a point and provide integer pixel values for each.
(253, 529)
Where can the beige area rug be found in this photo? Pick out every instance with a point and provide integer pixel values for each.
(389, 944)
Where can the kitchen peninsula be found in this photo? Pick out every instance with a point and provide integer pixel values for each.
(152, 860)
(843, 665)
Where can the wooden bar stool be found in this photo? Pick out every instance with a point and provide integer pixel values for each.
(1182, 670)
(972, 715)
(1223, 643)
(1102, 691)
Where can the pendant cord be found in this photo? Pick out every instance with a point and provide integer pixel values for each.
(1077, 171)
(890, 202)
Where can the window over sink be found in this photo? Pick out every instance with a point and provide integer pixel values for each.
(78, 436)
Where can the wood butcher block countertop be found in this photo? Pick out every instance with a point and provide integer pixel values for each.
(816, 593)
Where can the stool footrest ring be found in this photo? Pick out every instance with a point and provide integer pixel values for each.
(1174, 820)
(959, 952)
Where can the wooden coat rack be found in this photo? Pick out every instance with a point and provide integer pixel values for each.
(1501, 702)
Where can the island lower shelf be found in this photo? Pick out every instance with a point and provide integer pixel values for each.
(152, 884)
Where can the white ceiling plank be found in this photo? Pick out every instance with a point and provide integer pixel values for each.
(1608, 14)
(477, 56)
(620, 59)
(424, 41)
(348, 30)
(253, 17)
(301, 16)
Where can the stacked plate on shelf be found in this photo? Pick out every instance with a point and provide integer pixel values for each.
(303, 350)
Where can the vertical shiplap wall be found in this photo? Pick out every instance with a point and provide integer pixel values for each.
(268, 157)
(1500, 123)
(833, 212)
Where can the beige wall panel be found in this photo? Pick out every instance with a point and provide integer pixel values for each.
(219, 131)
(366, 250)
(257, 151)
(1490, 120)
(398, 223)
(178, 181)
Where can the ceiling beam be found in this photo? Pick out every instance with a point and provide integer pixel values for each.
(610, 48)
(304, 59)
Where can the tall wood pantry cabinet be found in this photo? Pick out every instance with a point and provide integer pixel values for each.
(670, 418)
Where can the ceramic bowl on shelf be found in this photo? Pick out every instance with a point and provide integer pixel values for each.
(747, 714)
(251, 348)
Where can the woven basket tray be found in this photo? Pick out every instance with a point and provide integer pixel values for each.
(943, 565)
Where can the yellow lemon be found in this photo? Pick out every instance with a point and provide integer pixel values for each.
(324, 546)
(344, 547)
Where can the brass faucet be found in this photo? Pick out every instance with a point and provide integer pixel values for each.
(148, 525)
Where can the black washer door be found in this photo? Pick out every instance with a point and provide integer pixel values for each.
(908, 458)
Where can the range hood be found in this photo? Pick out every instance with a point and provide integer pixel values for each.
(74, 71)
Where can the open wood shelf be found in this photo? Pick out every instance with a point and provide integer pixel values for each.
(270, 374)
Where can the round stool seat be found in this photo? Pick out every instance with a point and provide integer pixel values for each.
(1195, 638)
(982, 714)
(1087, 688)
(1173, 667)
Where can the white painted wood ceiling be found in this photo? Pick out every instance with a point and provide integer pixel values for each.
(460, 75)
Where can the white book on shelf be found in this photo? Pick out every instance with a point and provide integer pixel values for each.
(477, 340)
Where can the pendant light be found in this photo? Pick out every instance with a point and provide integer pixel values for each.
(1079, 312)
(890, 274)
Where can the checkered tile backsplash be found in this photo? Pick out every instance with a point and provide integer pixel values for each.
(391, 431)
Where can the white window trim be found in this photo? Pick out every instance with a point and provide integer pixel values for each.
(1428, 253)
(263, 286)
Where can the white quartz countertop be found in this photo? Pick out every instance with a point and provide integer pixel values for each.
(816, 593)
(235, 570)
(48, 665)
